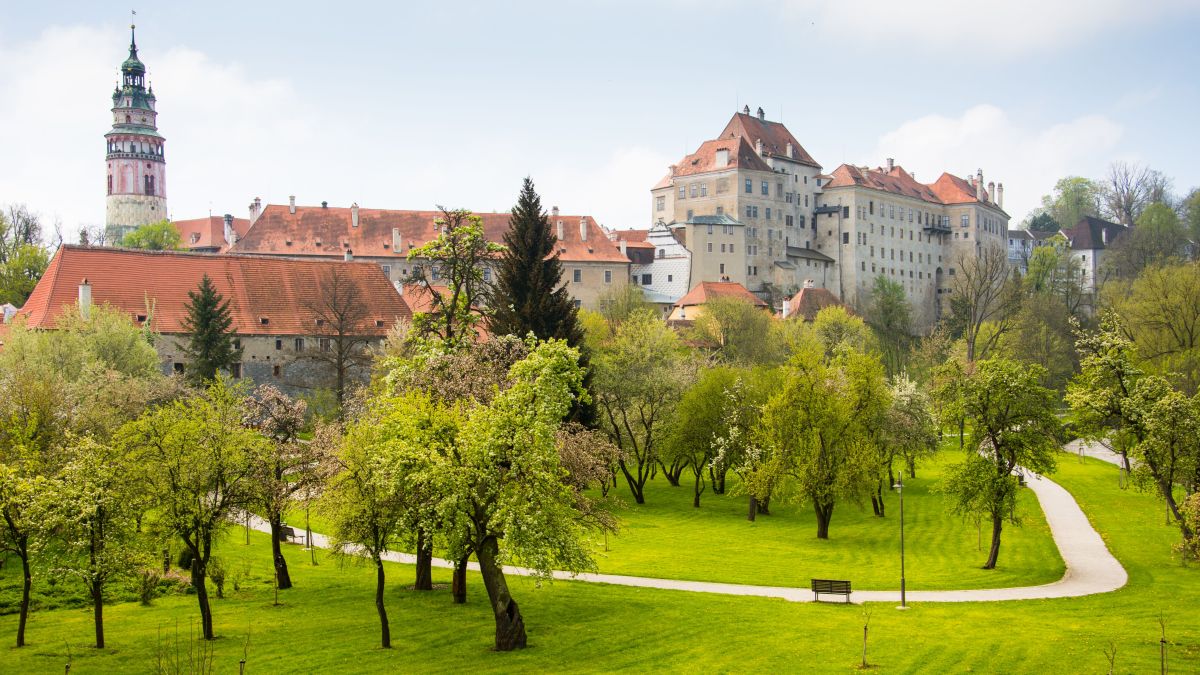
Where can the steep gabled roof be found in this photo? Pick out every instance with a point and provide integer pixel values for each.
(257, 288)
(774, 135)
(1093, 234)
(208, 232)
(809, 301)
(704, 159)
(947, 189)
(319, 231)
(707, 290)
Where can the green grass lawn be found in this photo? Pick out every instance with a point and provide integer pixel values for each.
(327, 623)
(666, 537)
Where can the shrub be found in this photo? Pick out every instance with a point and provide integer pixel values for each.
(147, 585)
(1190, 510)
(216, 572)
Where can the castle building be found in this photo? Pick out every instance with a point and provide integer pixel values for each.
(136, 166)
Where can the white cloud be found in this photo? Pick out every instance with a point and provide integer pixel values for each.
(976, 29)
(1028, 161)
(616, 192)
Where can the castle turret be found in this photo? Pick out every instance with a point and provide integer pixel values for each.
(136, 163)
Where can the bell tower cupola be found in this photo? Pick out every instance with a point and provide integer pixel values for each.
(136, 167)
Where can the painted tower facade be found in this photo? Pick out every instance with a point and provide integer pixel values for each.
(136, 163)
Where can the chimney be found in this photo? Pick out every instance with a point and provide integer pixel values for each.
(1104, 236)
(583, 228)
(292, 205)
(85, 298)
(230, 233)
(758, 147)
(354, 214)
(396, 241)
(745, 110)
(787, 307)
(891, 163)
(560, 226)
(789, 150)
(348, 256)
(809, 283)
(621, 245)
(255, 209)
(1000, 195)
(979, 185)
(992, 192)
(761, 115)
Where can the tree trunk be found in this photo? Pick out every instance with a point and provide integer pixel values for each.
(424, 580)
(98, 612)
(635, 487)
(458, 582)
(672, 476)
(764, 506)
(385, 632)
(26, 587)
(912, 467)
(698, 489)
(1173, 506)
(510, 627)
(281, 568)
(753, 509)
(875, 506)
(994, 552)
(199, 572)
(824, 515)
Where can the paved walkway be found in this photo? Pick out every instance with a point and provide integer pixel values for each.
(1095, 450)
(1091, 569)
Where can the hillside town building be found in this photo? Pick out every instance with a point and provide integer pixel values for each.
(275, 304)
(136, 164)
(592, 263)
(212, 234)
(1089, 241)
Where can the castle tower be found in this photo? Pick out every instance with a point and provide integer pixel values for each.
(137, 167)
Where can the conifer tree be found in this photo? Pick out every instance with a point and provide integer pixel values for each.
(210, 343)
(529, 295)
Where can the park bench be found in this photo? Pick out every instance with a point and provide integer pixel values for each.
(830, 586)
(289, 534)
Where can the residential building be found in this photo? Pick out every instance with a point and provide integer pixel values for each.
(271, 301)
(136, 165)
(808, 302)
(1089, 241)
(660, 264)
(212, 234)
(882, 222)
(591, 262)
(742, 204)
(691, 306)
(1021, 244)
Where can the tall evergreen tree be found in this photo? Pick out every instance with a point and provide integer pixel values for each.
(210, 342)
(529, 295)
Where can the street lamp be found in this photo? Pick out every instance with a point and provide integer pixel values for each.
(899, 487)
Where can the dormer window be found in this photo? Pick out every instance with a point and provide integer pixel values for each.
(379, 323)
(141, 318)
(264, 321)
(320, 322)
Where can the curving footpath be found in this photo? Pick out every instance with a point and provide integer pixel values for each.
(1091, 568)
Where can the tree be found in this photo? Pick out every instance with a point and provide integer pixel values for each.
(696, 425)
(818, 426)
(640, 376)
(890, 315)
(589, 459)
(620, 303)
(504, 481)
(1160, 312)
(981, 296)
(160, 236)
(529, 296)
(210, 338)
(735, 330)
(18, 529)
(366, 502)
(1191, 214)
(734, 445)
(340, 312)
(1129, 188)
(92, 509)
(1041, 221)
(911, 428)
(292, 468)
(1159, 238)
(20, 273)
(837, 329)
(200, 469)
(1013, 427)
(456, 259)
(1073, 198)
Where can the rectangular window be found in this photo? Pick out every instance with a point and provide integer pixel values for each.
(646, 279)
(690, 213)
(871, 207)
(722, 268)
(235, 371)
(608, 276)
(387, 270)
(435, 273)
(704, 189)
(578, 303)
(710, 229)
(749, 186)
(298, 344)
(805, 201)
(660, 203)
(766, 189)
(731, 248)
(694, 189)
(754, 209)
(845, 237)
(683, 192)
(710, 247)
(670, 278)
(275, 370)
(577, 275)
(278, 344)
(748, 211)
(722, 248)
(768, 213)
(966, 220)
(779, 190)
(487, 274)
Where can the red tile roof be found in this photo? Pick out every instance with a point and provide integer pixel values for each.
(809, 301)
(208, 232)
(257, 287)
(774, 135)
(707, 290)
(947, 189)
(741, 155)
(329, 231)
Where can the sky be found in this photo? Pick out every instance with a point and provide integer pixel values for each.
(415, 105)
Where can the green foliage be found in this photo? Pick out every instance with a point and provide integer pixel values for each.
(1159, 238)
(1191, 214)
(836, 329)
(1042, 221)
(1189, 548)
(19, 274)
(1160, 310)
(736, 331)
(1073, 198)
(160, 236)
(210, 339)
(621, 303)
(890, 315)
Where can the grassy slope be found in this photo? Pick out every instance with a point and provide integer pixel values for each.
(328, 621)
(667, 537)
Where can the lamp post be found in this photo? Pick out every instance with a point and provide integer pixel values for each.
(899, 486)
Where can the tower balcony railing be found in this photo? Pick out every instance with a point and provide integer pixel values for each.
(136, 155)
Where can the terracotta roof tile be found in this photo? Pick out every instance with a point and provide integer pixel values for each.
(741, 155)
(809, 301)
(208, 232)
(707, 290)
(319, 231)
(947, 189)
(774, 135)
(257, 287)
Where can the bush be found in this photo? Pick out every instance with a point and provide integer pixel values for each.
(147, 585)
(321, 406)
(1190, 510)
(185, 560)
(216, 572)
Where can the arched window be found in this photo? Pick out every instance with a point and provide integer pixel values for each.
(128, 119)
(149, 184)
(110, 183)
